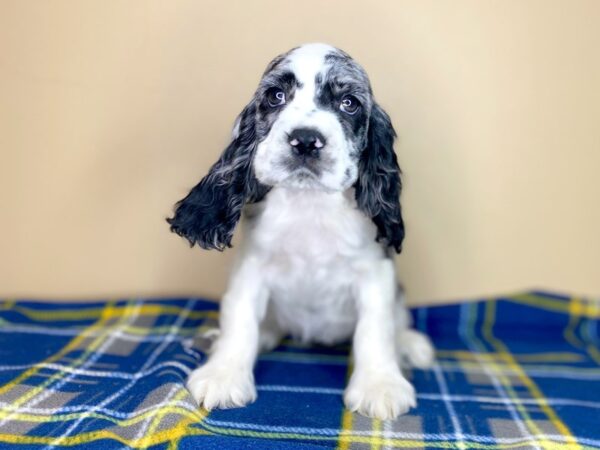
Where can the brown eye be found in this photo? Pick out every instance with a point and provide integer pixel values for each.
(349, 104)
(275, 97)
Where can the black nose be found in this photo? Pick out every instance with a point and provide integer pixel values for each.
(306, 141)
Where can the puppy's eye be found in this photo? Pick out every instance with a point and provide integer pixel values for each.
(275, 97)
(349, 104)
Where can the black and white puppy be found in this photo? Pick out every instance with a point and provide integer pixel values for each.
(312, 168)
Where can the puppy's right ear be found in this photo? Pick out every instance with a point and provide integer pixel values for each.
(208, 214)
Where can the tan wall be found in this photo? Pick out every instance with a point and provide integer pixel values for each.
(111, 110)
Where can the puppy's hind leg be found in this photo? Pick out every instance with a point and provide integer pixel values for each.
(414, 349)
(270, 333)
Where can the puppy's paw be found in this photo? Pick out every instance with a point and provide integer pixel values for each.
(380, 396)
(415, 349)
(218, 386)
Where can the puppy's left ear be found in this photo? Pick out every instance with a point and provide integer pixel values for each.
(378, 186)
(207, 216)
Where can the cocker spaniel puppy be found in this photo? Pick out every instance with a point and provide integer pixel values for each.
(312, 170)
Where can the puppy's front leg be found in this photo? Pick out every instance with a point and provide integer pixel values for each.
(226, 380)
(377, 387)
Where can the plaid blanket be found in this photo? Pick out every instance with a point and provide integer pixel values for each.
(515, 372)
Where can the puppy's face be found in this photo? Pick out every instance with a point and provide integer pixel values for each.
(312, 115)
(312, 124)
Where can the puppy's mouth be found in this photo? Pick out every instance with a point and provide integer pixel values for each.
(304, 173)
(303, 178)
(303, 168)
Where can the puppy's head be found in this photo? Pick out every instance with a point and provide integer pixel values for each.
(312, 124)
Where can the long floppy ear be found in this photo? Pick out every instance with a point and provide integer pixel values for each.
(207, 216)
(378, 186)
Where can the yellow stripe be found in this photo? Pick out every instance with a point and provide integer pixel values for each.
(490, 311)
(349, 438)
(159, 417)
(76, 342)
(174, 443)
(585, 308)
(51, 315)
(164, 329)
(192, 330)
(7, 305)
(376, 440)
(183, 429)
(177, 432)
(180, 430)
(347, 414)
(574, 319)
(504, 380)
(525, 357)
(73, 344)
(569, 333)
(594, 353)
(586, 371)
(44, 418)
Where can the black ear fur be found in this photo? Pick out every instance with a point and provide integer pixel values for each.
(207, 216)
(378, 186)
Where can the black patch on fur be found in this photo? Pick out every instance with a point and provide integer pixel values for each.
(345, 77)
(337, 56)
(207, 216)
(275, 62)
(287, 80)
(347, 175)
(329, 97)
(378, 186)
(267, 114)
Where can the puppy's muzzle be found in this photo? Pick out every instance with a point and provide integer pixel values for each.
(306, 142)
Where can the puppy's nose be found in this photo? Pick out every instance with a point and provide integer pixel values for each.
(306, 141)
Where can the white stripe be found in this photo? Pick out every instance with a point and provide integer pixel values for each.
(101, 373)
(463, 326)
(541, 372)
(557, 372)
(449, 406)
(524, 401)
(387, 433)
(299, 389)
(47, 392)
(144, 427)
(31, 329)
(289, 389)
(111, 413)
(392, 434)
(433, 396)
(170, 337)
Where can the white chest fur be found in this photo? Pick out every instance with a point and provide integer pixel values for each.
(312, 246)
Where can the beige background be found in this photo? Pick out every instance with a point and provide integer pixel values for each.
(111, 110)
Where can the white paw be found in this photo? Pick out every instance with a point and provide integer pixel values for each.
(415, 349)
(218, 386)
(380, 396)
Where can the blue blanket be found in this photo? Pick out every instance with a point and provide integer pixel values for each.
(516, 372)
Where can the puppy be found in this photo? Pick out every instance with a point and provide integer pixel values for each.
(311, 168)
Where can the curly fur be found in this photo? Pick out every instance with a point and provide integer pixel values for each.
(378, 186)
(207, 216)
